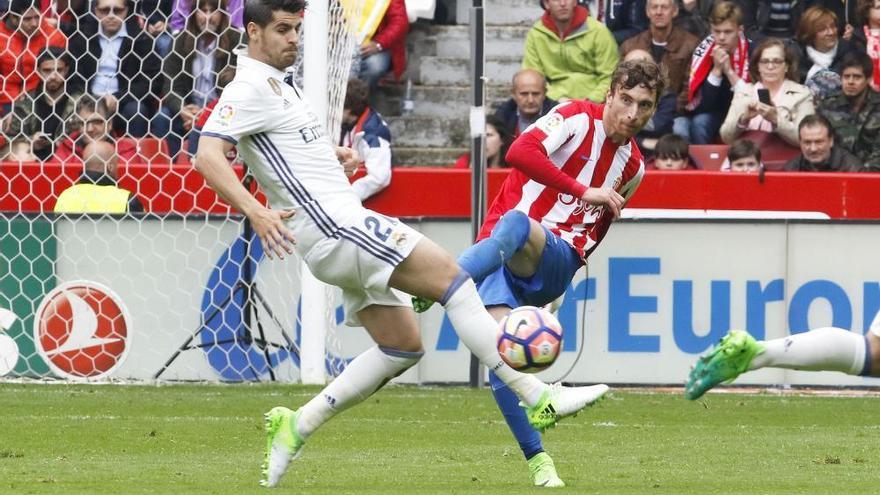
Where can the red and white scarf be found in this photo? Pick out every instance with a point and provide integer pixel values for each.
(873, 48)
(701, 65)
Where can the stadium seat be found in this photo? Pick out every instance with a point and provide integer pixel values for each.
(708, 156)
(153, 151)
(775, 152)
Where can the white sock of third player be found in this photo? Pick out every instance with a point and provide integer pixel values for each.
(360, 379)
(475, 327)
(822, 349)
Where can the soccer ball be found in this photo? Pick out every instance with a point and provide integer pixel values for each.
(529, 339)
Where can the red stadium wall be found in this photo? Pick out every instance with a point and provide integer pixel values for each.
(440, 192)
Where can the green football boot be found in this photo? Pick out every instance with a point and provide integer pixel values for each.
(420, 305)
(283, 444)
(729, 359)
(558, 402)
(543, 471)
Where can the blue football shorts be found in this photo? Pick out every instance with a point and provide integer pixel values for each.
(558, 265)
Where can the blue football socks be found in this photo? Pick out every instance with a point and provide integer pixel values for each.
(528, 438)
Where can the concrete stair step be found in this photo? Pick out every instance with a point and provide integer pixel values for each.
(501, 41)
(435, 101)
(424, 132)
(524, 12)
(408, 156)
(454, 71)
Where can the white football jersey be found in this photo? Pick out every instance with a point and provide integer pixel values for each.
(286, 148)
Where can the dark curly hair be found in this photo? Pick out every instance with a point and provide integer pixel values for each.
(645, 73)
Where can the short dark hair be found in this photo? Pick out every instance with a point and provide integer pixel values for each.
(743, 148)
(858, 59)
(671, 146)
(357, 95)
(503, 133)
(260, 11)
(815, 120)
(632, 73)
(21, 6)
(53, 53)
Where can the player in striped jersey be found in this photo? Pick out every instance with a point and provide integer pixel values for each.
(370, 256)
(574, 171)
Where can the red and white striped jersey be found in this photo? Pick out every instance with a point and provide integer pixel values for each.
(555, 160)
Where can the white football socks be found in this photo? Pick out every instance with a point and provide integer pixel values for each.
(822, 349)
(360, 379)
(475, 327)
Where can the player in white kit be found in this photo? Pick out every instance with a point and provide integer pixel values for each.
(370, 256)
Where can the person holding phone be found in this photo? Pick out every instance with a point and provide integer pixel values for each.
(774, 104)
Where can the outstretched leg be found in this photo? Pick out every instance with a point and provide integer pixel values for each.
(431, 273)
(516, 240)
(822, 349)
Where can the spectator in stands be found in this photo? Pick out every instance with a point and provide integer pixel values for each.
(40, 115)
(23, 35)
(200, 52)
(719, 66)
(384, 45)
(668, 45)
(821, 49)
(774, 68)
(184, 8)
(868, 36)
(497, 142)
(115, 60)
(93, 122)
(818, 151)
(854, 111)
(846, 12)
(19, 151)
(97, 191)
(624, 18)
(671, 153)
(364, 130)
(694, 16)
(663, 118)
(527, 104)
(743, 156)
(156, 14)
(575, 52)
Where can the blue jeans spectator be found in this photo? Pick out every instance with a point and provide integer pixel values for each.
(701, 128)
(374, 67)
(162, 44)
(169, 127)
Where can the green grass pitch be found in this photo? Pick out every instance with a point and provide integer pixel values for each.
(181, 439)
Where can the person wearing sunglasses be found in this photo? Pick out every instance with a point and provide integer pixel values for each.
(115, 60)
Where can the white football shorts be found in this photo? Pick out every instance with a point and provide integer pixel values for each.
(360, 259)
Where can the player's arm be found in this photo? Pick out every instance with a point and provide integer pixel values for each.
(268, 224)
(530, 154)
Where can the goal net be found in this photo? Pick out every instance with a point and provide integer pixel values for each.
(179, 288)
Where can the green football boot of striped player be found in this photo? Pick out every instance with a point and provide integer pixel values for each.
(543, 471)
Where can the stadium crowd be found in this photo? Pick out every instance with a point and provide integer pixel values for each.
(795, 80)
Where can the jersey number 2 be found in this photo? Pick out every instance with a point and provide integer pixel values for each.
(372, 223)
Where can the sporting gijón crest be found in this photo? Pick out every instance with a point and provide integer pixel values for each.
(82, 330)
